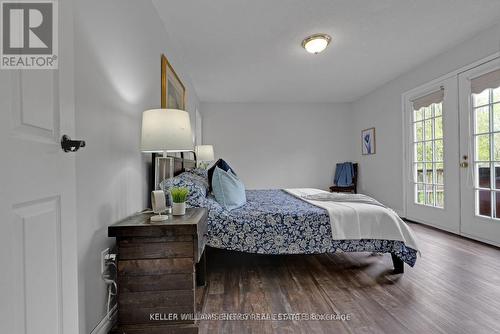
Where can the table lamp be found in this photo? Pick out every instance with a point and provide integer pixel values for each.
(165, 131)
(204, 155)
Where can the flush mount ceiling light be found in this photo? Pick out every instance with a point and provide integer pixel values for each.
(316, 43)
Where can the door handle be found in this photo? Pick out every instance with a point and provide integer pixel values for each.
(464, 164)
(69, 145)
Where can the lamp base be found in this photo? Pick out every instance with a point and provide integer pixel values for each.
(159, 218)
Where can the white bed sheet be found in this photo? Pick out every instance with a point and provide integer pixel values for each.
(352, 220)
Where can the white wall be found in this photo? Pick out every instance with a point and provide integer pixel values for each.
(118, 46)
(279, 145)
(381, 174)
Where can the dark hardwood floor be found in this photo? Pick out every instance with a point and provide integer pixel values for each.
(454, 288)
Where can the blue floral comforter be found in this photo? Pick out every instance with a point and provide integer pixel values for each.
(275, 222)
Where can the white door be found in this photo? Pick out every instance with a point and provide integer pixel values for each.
(38, 259)
(479, 91)
(432, 177)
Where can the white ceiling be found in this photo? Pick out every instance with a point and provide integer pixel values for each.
(249, 50)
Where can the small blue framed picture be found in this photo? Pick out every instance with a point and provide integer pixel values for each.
(368, 141)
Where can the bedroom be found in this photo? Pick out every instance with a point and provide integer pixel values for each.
(420, 80)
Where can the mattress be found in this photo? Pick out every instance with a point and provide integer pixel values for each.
(276, 222)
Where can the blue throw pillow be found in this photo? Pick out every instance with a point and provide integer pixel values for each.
(222, 165)
(228, 190)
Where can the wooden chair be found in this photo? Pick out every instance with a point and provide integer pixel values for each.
(350, 189)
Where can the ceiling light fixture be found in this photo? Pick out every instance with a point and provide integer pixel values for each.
(316, 43)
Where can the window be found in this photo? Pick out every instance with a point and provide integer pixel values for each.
(428, 156)
(486, 113)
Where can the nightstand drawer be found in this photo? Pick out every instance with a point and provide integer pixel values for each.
(158, 307)
(151, 299)
(155, 282)
(155, 250)
(155, 267)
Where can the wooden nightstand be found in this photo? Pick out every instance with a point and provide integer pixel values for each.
(159, 265)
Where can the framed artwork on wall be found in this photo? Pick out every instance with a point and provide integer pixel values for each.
(368, 143)
(173, 92)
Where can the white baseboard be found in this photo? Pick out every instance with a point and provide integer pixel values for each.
(105, 325)
(437, 226)
(485, 241)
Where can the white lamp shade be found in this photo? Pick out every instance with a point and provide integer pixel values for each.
(166, 130)
(204, 153)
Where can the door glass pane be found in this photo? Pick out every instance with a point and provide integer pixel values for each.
(497, 204)
(428, 151)
(481, 99)
(438, 127)
(483, 147)
(428, 174)
(496, 94)
(439, 173)
(419, 172)
(418, 115)
(434, 173)
(428, 155)
(496, 146)
(482, 120)
(429, 191)
(483, 179)
(497, 175)
(438, 150)
(419, 152)
(438, 109)
(428, 166)
(419, 131)
(420, 196)
(428, 112)
(496, 117)
(428, 129)
(484, 202)
(440, 196)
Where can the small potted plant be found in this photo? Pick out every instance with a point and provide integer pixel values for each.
(179, 196)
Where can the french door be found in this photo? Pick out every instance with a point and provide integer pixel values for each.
(479, 91)
(432, 187)
(453, 153)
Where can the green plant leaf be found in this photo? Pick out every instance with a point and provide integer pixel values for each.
(179, 194)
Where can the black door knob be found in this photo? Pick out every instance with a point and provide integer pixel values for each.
(69, 145)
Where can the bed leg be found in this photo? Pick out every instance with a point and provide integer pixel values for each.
(201, 270)
(399, 265)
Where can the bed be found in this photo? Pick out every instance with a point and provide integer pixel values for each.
(275, 221)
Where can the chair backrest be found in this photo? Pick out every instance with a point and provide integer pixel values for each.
(355, 176)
